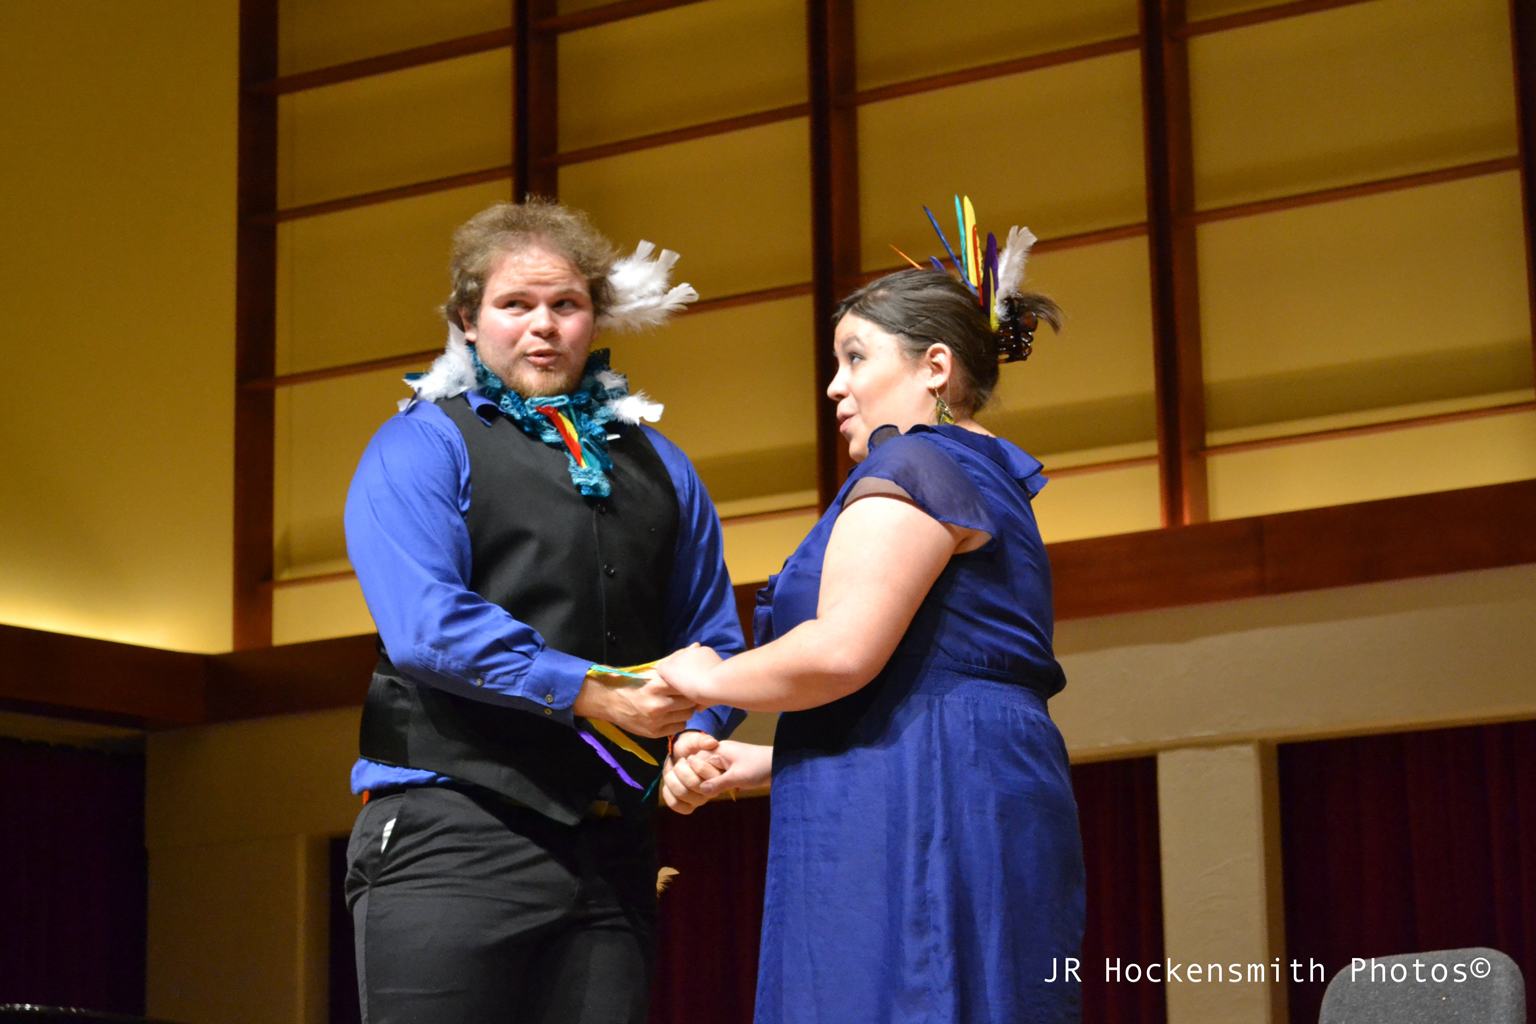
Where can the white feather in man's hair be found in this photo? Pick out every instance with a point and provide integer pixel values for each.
(640, 294)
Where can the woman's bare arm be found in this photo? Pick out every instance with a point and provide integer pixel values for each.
(882, 558)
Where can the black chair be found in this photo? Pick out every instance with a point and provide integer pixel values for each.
(1451, 986)
(27, 1013)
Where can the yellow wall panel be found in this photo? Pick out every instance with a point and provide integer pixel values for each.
(899, 40)
(1091, 386)
(756, 548)
(397, 129)
(117, 239)
(680, 67)
(319, 33)
(322, 429)
(1362, 92)
(737, 206)
(1057, 149)
(366, 283)
(1099, 504)
(1389, 300)
(319, 611)
(740, 390)
(1417, 460)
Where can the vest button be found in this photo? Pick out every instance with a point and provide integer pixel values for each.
(549, 711)
(602, 508)
(609, 571)
(613, 637)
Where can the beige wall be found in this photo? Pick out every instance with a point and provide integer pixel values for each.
(117, 318)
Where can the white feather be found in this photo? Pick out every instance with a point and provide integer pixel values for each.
(634, 408)
(452, 373)
(1010, 265)
(641, 296)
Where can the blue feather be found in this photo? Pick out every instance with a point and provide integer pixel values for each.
(935, 222)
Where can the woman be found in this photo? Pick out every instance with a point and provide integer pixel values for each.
(925, 863)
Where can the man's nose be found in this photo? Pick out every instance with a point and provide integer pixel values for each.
(541, 320)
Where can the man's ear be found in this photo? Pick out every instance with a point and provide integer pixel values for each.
(468, 325)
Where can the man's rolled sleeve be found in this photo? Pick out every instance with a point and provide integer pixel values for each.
(410, 547)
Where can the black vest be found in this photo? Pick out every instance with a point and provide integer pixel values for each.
(590, 575)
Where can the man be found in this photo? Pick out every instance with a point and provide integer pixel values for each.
(517, 532)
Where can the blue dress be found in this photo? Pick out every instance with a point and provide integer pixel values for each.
(924, 863)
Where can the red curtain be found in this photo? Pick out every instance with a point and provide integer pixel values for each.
(1408, 843)
(73, 877)
(711, 916)
(1117, 809)
(706, 968)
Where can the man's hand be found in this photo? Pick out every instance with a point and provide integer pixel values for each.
(691, 763)
(646, 707)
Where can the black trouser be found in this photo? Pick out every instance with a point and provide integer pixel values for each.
(471, 910)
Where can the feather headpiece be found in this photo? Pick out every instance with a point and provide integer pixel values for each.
(995, 278)
(638, 287)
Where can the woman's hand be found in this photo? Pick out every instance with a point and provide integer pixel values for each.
(701, 768)
(747, 766)
(687, 672)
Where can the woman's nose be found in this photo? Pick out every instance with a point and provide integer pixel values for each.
(836, 390)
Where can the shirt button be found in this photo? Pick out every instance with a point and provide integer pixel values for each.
(549, 698)
(609, 571)
(479, 681)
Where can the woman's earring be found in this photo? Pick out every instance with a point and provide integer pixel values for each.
(941, 408)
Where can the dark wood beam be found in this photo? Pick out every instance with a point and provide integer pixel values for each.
(255, 327)
(606, 14)
(1314, 549)
(1384, 427)
(314, 676)
(74, 677)
(385, 195)
(1000, 69)
(1174, 267)
(1522, 16)
(416, 56)
(535, 83)
(676, 135)
(480, 42)
(835, 258)
(1460, 172)
(1260, 15)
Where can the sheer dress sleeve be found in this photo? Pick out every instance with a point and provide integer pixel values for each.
(918, 469)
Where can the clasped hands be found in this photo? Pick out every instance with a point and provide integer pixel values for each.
(655, 703)
(659, 703)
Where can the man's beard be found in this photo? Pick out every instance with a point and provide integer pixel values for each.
(533, 382)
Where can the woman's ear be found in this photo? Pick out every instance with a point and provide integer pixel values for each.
(939, 363)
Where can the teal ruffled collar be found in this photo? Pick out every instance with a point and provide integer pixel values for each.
(590, 408)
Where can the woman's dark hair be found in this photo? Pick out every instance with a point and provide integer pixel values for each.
(926, 307)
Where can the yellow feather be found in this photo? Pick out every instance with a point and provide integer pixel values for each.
(622, 740)
(971, 268)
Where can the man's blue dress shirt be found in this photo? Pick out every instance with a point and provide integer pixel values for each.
(409, 545)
